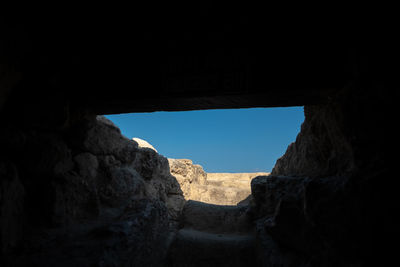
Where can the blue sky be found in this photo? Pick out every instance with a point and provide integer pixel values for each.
(229, 140)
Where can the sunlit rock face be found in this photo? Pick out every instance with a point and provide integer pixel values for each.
(213, 188)
(230, 188)
(143, 143)
(191, 177)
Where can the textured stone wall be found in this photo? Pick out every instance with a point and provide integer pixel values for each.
(213, 188)
(349, 134)
(328, 201)
(87, 184)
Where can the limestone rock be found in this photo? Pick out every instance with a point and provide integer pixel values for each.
(143, 143)
(114, 160)
(189, 176)
(213, 188)
(228, 188)
(187, 172)
(237, 180)
(100, 136)
(92, 186)
(321, 148)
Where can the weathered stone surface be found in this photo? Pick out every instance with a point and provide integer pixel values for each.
(280, 201)
(91, 186)
(270, 253)
(228, 188)
(322, 197)
(342, 137)
(237, 180)
(138, 238)
(215, 218)
(100, 136)
(186, 172)
(195, 248)
(307, 218)
(143, 143)
(220, 195)
(268, 191)
(321, 148)
(213, 235)
(192, 178)
(214, 188)
(87, 164)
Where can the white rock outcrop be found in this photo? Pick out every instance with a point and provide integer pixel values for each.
(143, 143)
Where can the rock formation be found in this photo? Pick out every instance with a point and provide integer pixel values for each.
(189, 175)
(120, 200)
(213, 235)
(212, 188)
(230, 188)
(322, 197)
(89, 185)
(143, 143)
(329, 201)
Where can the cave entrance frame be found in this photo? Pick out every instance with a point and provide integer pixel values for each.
(220, 142)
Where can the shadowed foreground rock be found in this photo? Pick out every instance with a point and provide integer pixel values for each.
(84, 195)
(330, 198)
(88, 197)
(213, 235)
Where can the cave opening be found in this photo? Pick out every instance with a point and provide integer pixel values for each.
(214, 154)
(213, 215)
(75, 192)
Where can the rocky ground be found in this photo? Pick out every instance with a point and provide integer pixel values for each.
(213, 235)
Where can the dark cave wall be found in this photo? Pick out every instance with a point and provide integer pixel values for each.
(349, 134)
(330, 198)
(330, 202)
(165, 60)
(87, 184)
(69, 176)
